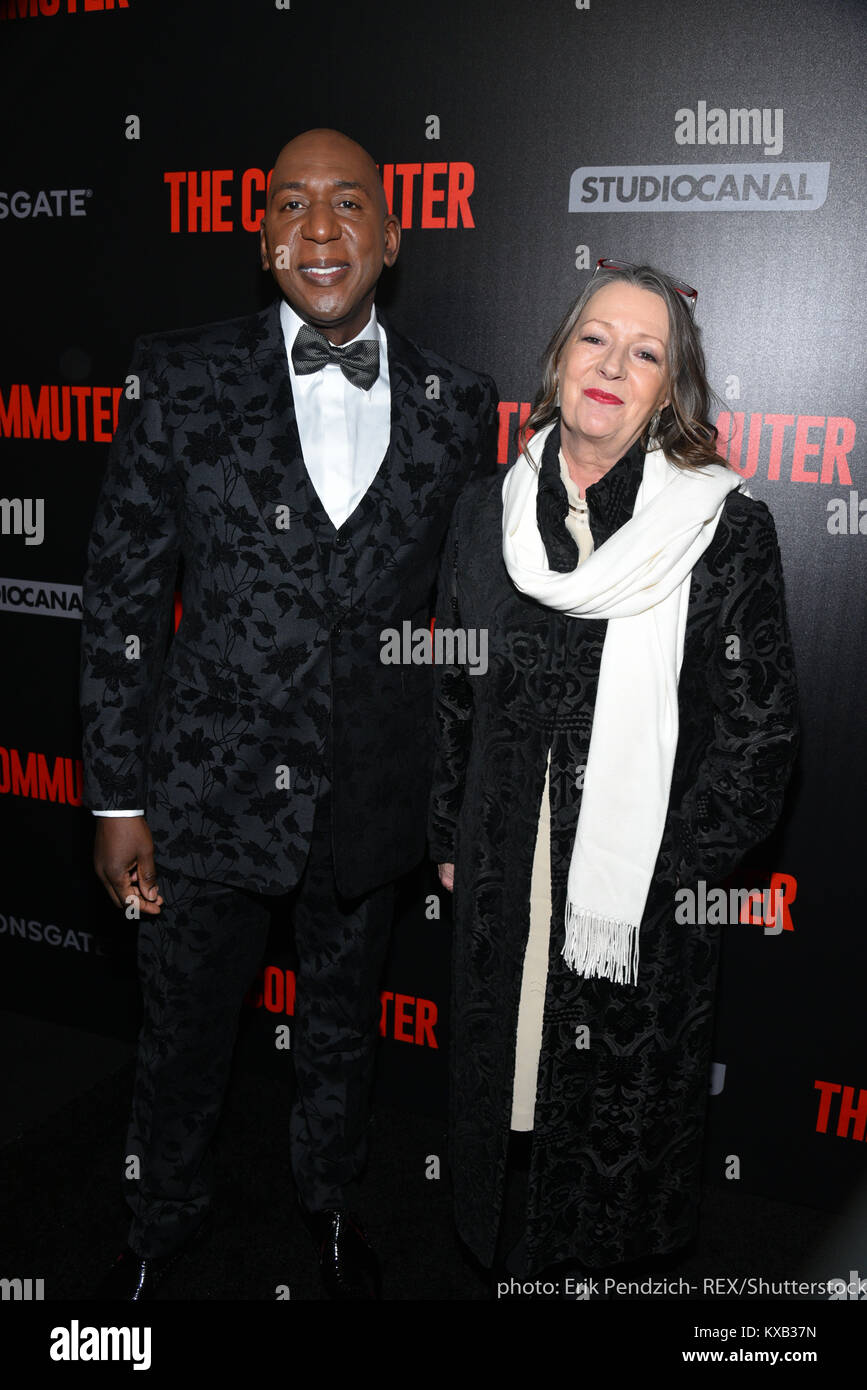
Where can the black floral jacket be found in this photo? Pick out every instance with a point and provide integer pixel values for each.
(274, 676)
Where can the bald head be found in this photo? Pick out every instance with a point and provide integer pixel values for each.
(323, 145)
(327, 232)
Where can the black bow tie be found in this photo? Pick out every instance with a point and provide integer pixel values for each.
(359, 362)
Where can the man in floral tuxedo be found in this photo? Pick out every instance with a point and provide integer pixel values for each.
(297, 469)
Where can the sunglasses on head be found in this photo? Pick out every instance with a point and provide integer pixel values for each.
(686, 291)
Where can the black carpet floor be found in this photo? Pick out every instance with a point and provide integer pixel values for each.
(63, 1219)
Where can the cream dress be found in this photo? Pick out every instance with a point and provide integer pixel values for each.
(535, 975)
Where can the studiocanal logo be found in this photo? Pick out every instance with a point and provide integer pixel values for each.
(40, 597)
(759, 187)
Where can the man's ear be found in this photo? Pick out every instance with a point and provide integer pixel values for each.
(263, 250)
(392, 240)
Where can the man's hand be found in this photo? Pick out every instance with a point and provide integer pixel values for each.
(123, 856)
(447, 876)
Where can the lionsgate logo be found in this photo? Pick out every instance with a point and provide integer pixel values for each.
(46, 202)
(440, 646)
(801, 187)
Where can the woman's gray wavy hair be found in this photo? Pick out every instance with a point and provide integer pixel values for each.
(684, 430)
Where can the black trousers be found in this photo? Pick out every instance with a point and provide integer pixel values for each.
(197, 958)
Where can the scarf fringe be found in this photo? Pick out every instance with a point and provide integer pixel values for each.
(603, 947)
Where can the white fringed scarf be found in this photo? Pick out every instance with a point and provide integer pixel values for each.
(638, 580)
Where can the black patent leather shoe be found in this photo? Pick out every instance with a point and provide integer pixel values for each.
(134, 1278)
(347, 1262)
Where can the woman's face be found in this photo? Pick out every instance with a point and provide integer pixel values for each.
(613, 371)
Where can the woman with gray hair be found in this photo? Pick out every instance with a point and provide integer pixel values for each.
(633, 735)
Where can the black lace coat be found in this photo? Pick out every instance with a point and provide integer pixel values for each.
(617, 1141)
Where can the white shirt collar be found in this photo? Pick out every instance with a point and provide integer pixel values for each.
(290, 322)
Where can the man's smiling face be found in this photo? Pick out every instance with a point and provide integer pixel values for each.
(326, 233)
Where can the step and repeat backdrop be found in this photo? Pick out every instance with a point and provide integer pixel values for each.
(518, 143)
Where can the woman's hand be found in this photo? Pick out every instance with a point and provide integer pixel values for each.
(447, 876)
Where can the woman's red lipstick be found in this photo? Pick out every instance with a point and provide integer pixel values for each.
(604, 396)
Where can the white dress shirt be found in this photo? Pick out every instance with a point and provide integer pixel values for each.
(344, 431)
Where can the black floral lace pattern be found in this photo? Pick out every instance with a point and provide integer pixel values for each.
(274, 675)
